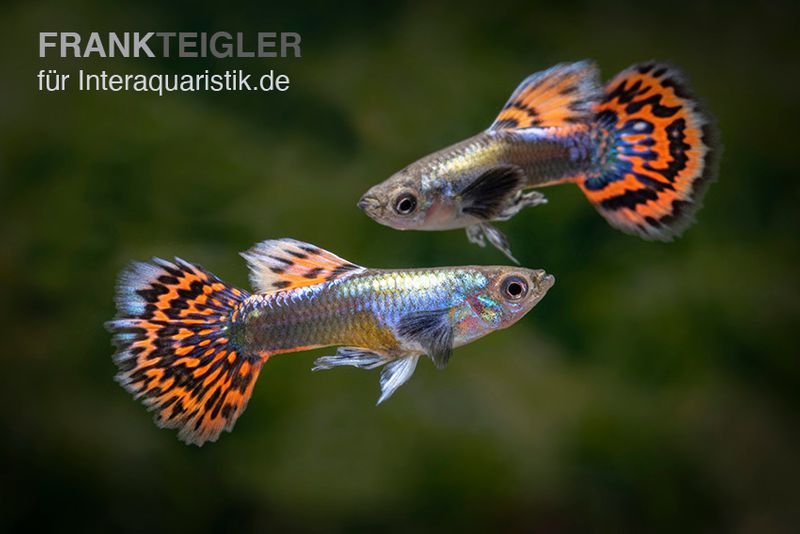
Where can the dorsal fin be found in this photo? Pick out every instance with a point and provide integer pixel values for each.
(287, 263)
(560, 96)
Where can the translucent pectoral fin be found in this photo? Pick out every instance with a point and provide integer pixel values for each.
(353, 357)
(395, 374)
(479, 233)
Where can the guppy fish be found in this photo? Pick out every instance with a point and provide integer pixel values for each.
(641, 150)
(190, 346)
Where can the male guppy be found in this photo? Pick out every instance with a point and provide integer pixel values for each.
(190, 346)
(641, 150)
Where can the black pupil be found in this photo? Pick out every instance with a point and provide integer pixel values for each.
(514, 289)
(406, 204)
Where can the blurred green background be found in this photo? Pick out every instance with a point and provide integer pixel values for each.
(656, 388)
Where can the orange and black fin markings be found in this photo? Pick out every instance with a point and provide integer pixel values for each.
(656, 153)
(280, 264)
(563, 95)
(174, 350)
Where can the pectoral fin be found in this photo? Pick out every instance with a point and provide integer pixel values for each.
(433, 331)
(487, 195)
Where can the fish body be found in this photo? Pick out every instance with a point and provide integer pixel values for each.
(191, 346)
(640, 149)
(368, 308)
(535, 157)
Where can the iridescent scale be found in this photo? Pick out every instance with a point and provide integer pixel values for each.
(362, 310)
(545, 155)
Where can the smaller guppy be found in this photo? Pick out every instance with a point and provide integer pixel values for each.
(190, 346)
(641, 149)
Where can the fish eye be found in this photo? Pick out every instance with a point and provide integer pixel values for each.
(405, 204)
(514, 287)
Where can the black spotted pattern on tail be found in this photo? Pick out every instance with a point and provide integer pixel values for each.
(657, 153)
(174, 352)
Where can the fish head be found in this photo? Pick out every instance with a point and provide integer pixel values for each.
(412, 199)
(509, 294)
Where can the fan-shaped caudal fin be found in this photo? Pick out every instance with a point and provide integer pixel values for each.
(657, 153)
(174, 352)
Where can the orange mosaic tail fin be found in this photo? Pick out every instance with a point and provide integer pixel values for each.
(657, 153)
(174, 350)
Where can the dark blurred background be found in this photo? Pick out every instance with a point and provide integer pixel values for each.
(656, 388)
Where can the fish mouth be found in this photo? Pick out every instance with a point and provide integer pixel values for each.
(370, 205)
(544, 281)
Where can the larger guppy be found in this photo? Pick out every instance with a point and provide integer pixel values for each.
(190, 346)
(642, 151)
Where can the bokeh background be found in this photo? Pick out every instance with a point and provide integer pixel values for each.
(656, 388)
